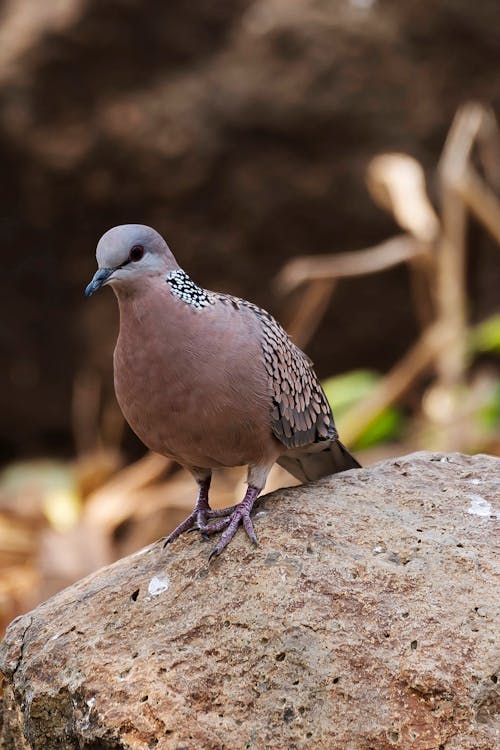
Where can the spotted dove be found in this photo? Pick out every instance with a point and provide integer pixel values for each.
(211, 380)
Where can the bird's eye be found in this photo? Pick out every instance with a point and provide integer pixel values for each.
(136, 253)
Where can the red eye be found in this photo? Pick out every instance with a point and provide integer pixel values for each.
(136, 253)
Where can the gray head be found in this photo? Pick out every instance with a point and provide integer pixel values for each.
(128, 254)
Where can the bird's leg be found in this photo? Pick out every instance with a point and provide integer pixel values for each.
(229, 518)
(241, 513)
(192, 522)
(257, 475)
(202, 513)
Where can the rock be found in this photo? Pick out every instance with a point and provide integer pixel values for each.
(365, 619)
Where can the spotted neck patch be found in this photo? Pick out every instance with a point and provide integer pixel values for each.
(183, 287)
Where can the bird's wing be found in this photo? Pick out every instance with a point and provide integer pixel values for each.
(300, 411)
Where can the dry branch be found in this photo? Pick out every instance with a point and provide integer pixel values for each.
(481, 201)
(435, 251)
(395, 384)
(318, 276)
(308, 268)
(397, 184)
(114, 502)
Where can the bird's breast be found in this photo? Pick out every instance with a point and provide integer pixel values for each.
(195, 388)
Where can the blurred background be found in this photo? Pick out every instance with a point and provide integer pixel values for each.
(335, 161)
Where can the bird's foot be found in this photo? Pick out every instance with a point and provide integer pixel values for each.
(240, 514)
(189, 524)
(199, 519)
(211, 528)
(226, 520)
(220, 512)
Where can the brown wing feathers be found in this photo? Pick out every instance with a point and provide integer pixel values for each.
(300, 413)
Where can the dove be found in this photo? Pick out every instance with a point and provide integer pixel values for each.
(211, 380)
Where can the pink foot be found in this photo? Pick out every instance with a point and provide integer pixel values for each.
(229, 519)
(241, 513)
(201, 515)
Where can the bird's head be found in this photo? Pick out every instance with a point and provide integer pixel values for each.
(128, 254)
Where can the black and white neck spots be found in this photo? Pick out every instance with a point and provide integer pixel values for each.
(182, 286)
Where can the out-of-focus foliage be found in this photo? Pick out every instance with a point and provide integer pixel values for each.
(345, 391)
(53, 482)
(488, 416)
(242, 130)
(485, 339)
(486, 336)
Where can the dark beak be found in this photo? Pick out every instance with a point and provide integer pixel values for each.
(100, 278)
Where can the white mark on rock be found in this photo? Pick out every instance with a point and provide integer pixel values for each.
(86, 718)
(158, 584)
(479, 506)
(363, 4)
(475, 481)
(142, 551)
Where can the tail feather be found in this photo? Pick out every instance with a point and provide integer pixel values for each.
(312, 464)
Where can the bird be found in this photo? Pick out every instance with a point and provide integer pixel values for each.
(211, 380)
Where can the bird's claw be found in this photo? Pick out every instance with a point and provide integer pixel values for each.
(221, 512)
(213, 553)
(225, 520)
(239, 515)
(206, 528)
(186, 525)
(213, 528)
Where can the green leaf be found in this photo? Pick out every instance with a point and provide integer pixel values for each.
(347, 390)
(489, 414)
(485, 337)
(387, 426)
(344, 391)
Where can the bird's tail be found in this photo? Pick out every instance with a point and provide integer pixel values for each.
(314, 463)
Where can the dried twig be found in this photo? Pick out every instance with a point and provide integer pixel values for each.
(474, 124)
(395, 384)
(112, 503)
(397, 183)
(305, 317)
(482, 201)
(436, 254)
(319, 274)
(305, 269)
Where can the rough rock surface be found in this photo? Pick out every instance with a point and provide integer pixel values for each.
(365, 620)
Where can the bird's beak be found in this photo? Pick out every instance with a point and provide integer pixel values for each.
(100, 278)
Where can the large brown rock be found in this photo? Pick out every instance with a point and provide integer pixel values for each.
(365, 620)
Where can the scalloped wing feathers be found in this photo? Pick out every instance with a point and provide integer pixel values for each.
(300, 412)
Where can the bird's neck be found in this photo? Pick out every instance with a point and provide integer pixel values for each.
(176, 281)
(186, 290)
(166, 322)
(161, 302)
